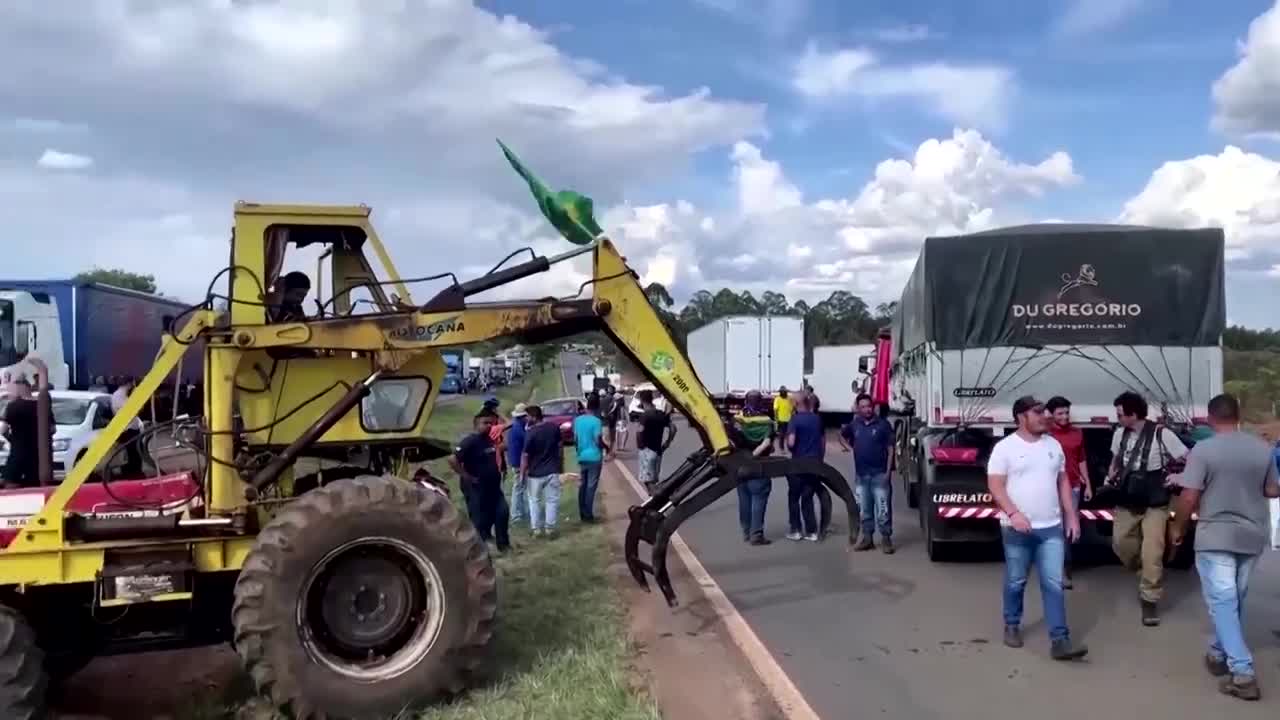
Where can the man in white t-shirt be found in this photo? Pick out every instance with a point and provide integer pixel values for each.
(1028, 479)
(1138, 531)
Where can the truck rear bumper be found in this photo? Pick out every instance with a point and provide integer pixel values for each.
(979, 523)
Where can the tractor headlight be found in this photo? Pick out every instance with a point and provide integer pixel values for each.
(61, 444)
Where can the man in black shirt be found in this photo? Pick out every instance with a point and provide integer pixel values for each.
(476, 463)
(22, 469)
(656, 433)
(541, 464)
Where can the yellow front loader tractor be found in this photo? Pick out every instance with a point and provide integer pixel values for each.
(347, 589)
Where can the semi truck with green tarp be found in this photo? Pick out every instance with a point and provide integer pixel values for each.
(1081, 311)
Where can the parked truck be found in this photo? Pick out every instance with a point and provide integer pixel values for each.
(457, 363)
(83, 330)
(735, 354)
(835, 378)
(1082, 311)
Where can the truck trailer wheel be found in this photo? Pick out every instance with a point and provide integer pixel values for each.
(23, 682)
(363, 597)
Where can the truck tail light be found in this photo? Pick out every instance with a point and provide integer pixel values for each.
(955, 455)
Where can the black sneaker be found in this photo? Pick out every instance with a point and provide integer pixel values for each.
(1216, 666)
(1064, 649)
(886, 546)
(761, 540)
(864, 543)
(1013, 636)
(1150, 614)
(1244, 687)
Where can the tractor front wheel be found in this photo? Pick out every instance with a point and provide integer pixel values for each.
(363, 597)
(23, 682)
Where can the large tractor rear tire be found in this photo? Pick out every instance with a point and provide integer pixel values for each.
(23, 682)
(363, 597)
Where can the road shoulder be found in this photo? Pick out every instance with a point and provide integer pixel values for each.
(684, 655)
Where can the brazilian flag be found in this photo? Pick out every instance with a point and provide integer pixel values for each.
(568, 211)
(755, 427)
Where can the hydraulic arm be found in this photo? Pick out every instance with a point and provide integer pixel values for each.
(618, 307)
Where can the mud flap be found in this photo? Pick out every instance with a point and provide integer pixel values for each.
(699, 481)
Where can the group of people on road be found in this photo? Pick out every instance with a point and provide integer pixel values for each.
(1039, 474)
(528, 450)
(794, 426)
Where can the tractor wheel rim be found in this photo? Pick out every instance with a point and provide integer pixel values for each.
(371, 609)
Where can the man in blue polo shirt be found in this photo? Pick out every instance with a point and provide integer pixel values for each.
(870, 437)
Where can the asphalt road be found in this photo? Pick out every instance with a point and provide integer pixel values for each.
(864, 635)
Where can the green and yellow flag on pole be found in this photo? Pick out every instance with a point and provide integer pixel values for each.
(568, 211)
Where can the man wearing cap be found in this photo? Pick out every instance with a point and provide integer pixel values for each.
(1027, 476)
(515, 446)
(496, 431)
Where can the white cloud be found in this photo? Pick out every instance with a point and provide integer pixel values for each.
(1088, 16)
(395, 104)
(776, 239)
(44, 125)
(57, 160)
(776, 17)
(1247, 96)
(975, 94)
(1235, 190)
(905, 34)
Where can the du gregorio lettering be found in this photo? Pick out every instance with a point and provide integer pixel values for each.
(1085, 277)
(1098, 309)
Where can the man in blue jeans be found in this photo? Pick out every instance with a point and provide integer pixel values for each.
(806, 439)
(1228, 479)
(515, 448)
(871, 439)
(1028, 478)
(588, 442)
(753, 430)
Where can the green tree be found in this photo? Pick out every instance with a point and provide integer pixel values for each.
(119, 278)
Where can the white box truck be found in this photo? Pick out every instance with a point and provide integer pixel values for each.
(738, 353)
(835, 377)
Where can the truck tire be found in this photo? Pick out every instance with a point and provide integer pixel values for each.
(363, 597)
(23, 682)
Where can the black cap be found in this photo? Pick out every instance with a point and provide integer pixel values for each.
(1024, 404)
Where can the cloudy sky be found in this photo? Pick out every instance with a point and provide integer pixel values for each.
(794, 145)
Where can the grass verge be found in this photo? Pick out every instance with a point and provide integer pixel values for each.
(561, 649)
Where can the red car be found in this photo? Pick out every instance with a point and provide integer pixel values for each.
(562, 411)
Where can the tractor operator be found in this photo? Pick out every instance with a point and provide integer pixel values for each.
(293, 289)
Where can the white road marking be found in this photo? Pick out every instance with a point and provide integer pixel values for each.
(784, 692)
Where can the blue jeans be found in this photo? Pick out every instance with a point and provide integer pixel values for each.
(1046, 549)
(874, 493)
(590, 472)
(753, 499)
(800, 515)
(544, 501)
(519, 501)
(1224, 580)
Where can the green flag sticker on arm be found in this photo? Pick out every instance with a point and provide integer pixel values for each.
(568, 211)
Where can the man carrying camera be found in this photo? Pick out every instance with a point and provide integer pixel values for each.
(1143, 456)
